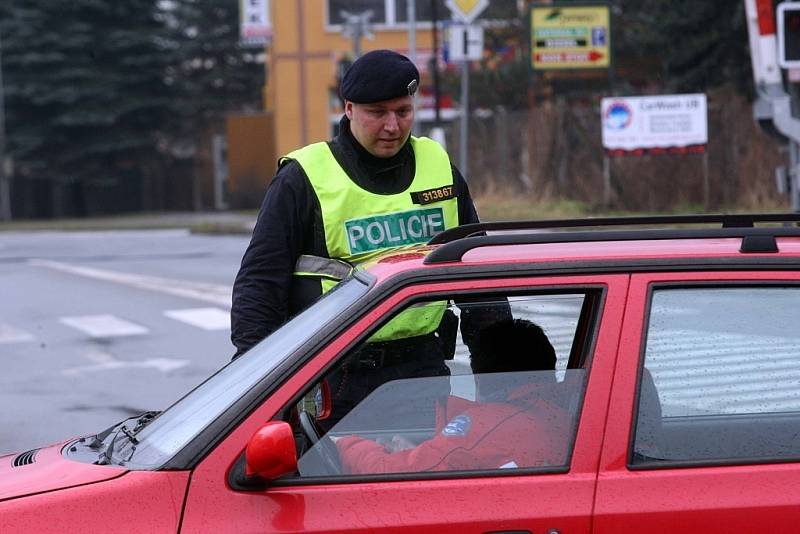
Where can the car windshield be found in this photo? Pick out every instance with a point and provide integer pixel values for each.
(185, 419)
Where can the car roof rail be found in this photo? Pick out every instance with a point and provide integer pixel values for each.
(459, 240)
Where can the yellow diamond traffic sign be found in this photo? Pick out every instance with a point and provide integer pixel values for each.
(466, 10)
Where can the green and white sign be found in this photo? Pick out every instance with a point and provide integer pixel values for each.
(393, 230)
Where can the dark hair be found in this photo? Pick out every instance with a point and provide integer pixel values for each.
(512, 345)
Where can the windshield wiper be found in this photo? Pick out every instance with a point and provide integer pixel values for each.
(108, 452)
(101, 437)
(145, 419)
(142, 421)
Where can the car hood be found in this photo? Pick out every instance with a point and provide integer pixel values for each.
(46, 469)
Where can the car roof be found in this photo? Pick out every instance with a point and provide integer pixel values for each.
(750, 237)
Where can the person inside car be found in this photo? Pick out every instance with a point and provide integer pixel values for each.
(508, 427)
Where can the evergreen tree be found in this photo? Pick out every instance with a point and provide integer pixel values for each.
(210, 73)
(702, 45)
(84, 91)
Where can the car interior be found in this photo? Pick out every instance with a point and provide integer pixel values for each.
(416, 408)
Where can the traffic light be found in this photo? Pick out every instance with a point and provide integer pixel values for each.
(789, 35)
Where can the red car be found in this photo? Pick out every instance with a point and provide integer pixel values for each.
(674, 405)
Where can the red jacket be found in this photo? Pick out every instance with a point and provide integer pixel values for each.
(523, 431)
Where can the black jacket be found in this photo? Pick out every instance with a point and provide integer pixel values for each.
(289, 224)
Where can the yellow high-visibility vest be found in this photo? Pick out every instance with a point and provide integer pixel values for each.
(360, 224)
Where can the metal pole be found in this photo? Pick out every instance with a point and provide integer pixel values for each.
(5, 186)
(462, 160)
(356, 26)
(357, 32)
(411, 12)
(435, 64)
(220, 171)
(794, 160)
(706, 184)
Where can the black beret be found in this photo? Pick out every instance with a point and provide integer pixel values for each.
(379, 75)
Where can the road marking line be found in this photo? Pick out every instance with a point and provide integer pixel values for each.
(106, 362)
(9, 334)
(213, 293)
(103, 325)
(205, 318)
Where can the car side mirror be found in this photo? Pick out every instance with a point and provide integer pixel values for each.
(323, 401)
(318, 402)
(271, 453)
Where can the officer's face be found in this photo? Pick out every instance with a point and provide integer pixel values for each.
(383, 127)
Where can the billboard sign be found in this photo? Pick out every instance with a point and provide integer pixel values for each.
(666, 124)
(255, 27)
(570, 37)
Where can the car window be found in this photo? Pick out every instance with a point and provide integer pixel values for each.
(505, 397)
(721, 377)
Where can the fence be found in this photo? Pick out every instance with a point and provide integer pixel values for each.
(555, 150)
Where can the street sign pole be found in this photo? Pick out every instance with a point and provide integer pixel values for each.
(462, 160)
(794, 163)
(466, 44)
(435, 67)
(465, 11)
(5, 187)
(411, 12)
(356, 26)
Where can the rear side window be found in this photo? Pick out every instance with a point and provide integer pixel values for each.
(721, 377)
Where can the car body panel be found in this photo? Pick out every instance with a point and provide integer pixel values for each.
(563, 500)
(624, 250)
(137, 501)
(565, 255)
(710, 499)
(49, 471)
(598, 493)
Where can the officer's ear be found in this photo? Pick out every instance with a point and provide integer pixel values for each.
(348, 109)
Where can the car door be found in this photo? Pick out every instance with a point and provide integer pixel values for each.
(582, 314)
(705, 413)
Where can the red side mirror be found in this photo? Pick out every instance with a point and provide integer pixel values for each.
(270, 453)
(323, 401)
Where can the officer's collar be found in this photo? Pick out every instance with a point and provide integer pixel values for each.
(347, 138)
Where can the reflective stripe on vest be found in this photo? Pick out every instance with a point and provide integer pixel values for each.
(308, 265)
(359, 224)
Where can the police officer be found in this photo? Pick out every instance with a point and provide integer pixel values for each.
(325, 196)
(334, 204)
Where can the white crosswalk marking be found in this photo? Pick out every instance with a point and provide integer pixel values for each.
(104, 325)
(103, 361)
(9, 334)
(205, 318)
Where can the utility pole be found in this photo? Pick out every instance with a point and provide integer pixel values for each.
(5, 186)
(435, 65)
(437, 132)
(468, 41)
(356, 26)
(411, 15)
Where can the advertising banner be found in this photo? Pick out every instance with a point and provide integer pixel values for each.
(255, 27)
(666, 124)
